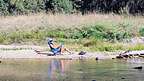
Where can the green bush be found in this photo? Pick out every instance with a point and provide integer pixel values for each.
(96, 31)
(16, 7)
(34, 6)
(26, 6)
(141, 31)
(64, 6)
(100, 32)
(4, 7)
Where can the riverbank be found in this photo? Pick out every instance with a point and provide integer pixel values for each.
(31, 54)
(90, 32)
(27, 52)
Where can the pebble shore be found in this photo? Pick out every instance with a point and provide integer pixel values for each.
(27, 52)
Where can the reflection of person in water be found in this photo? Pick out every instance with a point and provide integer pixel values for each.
(56, 68)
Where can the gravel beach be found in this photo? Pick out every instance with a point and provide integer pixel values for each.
(27, 52)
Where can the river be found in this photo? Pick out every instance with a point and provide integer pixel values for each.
(70, 70)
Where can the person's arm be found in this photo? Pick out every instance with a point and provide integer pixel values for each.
(52, 45)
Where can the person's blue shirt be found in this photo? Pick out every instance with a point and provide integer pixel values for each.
(55, 50)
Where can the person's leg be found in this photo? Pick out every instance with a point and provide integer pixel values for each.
(62, 49)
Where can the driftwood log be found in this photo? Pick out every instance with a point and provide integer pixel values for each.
(129, 54)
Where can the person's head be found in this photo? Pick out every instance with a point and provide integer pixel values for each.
(50, 40)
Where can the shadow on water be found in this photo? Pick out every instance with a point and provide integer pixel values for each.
(71, 70)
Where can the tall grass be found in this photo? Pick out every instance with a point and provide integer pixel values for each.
(68, 21)
(93, 32)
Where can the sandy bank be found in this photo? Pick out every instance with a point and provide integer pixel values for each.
(27, 52)
(32, 54)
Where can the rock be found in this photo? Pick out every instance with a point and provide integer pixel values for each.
(113, 58)
(93, 80)
(139, 67)
(126, 56)
(141, 56)
(96, 58)
(123, 78)
(82, 53)
(119, 57)
(122, 56)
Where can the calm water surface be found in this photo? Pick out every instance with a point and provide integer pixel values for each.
(71, 70)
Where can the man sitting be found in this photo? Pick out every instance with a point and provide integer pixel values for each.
(56, 49)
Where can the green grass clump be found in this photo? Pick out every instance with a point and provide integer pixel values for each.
(136, 47)
(101, 32)
(99, 45)
(97, 37)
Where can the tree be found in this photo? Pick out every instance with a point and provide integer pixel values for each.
(3, 7)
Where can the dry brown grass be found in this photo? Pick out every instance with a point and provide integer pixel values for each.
(61, 20)
(28, 22)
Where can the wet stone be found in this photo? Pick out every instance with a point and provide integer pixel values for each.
(96, 58)
(93, 80)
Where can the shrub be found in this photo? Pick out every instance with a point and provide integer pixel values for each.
(26, 6)
(4, 7)
(63, 6)
(141, 31)
(95, 31)
(67, 6)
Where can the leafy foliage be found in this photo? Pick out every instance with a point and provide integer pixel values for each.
(62, 5)
(17, 7)
(4, 7)
(141, 31)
